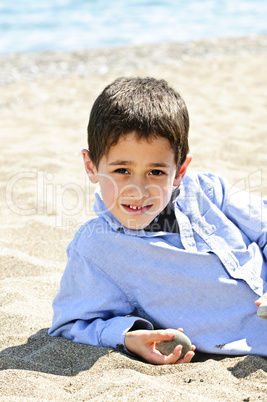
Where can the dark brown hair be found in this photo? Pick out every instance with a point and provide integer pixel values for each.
(145, 105)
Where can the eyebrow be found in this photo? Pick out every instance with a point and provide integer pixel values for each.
(130, 163)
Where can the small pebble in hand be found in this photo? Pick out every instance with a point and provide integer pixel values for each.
(262, 310)
(167, 347)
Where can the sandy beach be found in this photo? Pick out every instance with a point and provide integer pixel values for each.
(45, 197)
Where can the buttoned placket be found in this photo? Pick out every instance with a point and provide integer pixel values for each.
(217, 246)
(186, 232)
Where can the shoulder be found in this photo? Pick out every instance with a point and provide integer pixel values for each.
(205, 183)
(89, 235)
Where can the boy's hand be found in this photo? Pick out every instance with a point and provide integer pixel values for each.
(262, 306)
(262, 299)
(142, 343)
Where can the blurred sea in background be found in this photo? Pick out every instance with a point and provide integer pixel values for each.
(66, 25)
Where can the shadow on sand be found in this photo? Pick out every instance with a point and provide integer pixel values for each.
(45, 354)
(60, 356)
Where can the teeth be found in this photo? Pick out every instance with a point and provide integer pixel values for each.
(132, 207)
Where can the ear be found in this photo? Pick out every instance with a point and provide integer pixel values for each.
(89, 166)
(182, 171)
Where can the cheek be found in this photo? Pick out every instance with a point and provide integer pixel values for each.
(109, 190)
(163, 189)
(166, 196)
(160, 195)
(166, 193)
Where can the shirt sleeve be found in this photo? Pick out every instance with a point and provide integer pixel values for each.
(247, 210)
(90, 308)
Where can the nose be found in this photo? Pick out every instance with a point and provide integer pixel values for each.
(137, 188)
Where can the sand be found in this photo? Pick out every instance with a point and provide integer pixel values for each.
(45, 197)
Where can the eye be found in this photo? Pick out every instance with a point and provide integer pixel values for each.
(156, 172)
(122, 171)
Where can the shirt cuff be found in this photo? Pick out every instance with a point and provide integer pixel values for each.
(113, 335)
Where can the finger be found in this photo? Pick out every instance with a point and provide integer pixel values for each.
(180, 329)
(262, 299)
(187, 358)
(155, 357)
(159, 335)
(174, 356)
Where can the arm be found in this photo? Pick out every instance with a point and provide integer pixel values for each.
(89, 308)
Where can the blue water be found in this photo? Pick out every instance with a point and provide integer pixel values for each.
(33, 25)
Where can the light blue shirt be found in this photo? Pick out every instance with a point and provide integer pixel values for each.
(204, 279)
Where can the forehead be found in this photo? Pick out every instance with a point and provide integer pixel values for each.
(131, 145)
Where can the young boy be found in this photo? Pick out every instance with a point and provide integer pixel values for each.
(168, 249)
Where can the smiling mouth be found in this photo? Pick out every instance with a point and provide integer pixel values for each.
(133, 207)
(136, 210)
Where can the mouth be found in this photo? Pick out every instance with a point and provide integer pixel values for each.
(136, 209)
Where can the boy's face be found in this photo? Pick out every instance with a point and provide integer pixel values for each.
(136, 178)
